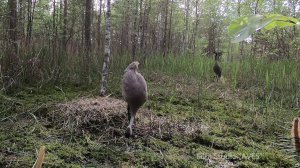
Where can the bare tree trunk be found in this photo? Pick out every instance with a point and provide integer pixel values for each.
(87, 26)
(99, 25)
(140, 29)
(12, 32)
(21, 19)
(124, 44)
(30, 11)
(11, 65)
(196, 28)
(83, 30)
(87, 35)
(29, 22)
(295, 32)
(105, 69)
(253, 36)
(127, 26)
(145, 27)
(54, 45)
(157, 35)
(211, 38)
(65, 22)
(165, 48)
(186, 34)
(170, 27)
(241, 44)
(71, 28)
(134, 33)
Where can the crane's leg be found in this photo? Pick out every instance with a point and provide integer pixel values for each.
(215, 78)
(129, 128)
(128, 112)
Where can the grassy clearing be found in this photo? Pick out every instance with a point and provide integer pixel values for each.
(248, 118)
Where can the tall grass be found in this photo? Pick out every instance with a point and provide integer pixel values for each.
(273, 84)
(276, 81)
(188, 66)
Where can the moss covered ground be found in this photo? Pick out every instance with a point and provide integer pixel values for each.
(242, 131)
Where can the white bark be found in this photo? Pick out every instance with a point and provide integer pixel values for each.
(105, 69)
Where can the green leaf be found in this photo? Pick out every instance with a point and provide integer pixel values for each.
(280, 21)
(243, 27)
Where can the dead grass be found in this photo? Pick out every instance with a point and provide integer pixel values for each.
(108, 116)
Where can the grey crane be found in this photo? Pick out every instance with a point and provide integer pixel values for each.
(134, 92)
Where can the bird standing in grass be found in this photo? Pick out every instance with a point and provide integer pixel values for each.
(134, 92)
(217, 69)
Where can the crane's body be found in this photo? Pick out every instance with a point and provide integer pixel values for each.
(134, 92)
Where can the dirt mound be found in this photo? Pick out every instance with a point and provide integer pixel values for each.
(108, 115)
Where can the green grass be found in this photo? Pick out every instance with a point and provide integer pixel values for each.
(248, 118)
(278, 80)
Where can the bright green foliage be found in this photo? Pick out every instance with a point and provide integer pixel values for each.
(244, 26)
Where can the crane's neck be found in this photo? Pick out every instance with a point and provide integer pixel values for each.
(216, 58)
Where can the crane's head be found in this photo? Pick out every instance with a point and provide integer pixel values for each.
(133, 66)
(218, 55)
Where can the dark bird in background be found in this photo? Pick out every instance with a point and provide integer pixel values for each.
(134, 92)
(217, 69)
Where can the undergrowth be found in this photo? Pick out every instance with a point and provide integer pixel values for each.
(249, 117)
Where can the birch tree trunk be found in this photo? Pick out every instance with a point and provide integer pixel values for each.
(105, 69)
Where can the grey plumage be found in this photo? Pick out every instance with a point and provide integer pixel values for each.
(134, 92)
